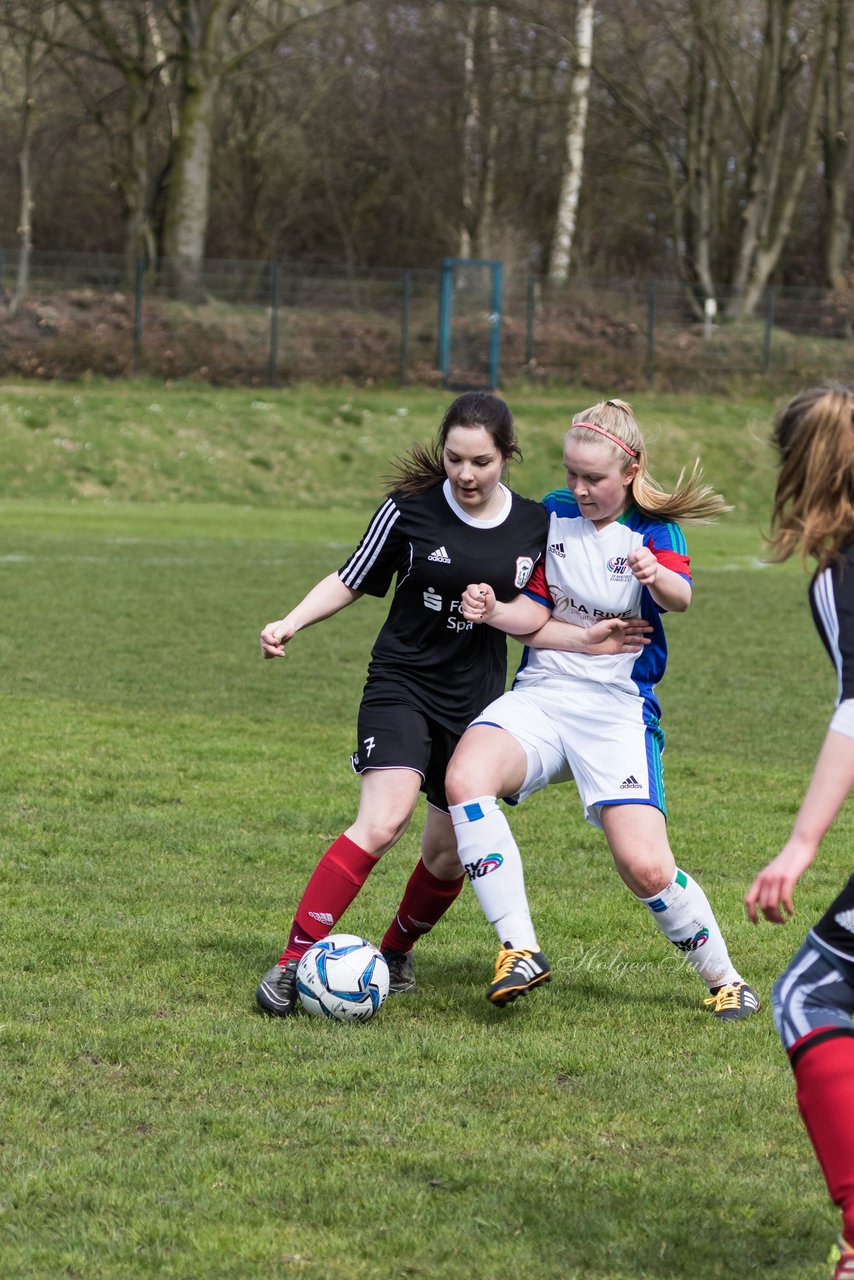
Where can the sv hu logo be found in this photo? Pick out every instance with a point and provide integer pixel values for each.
(483, 866)
(693, 944)
(619, 566)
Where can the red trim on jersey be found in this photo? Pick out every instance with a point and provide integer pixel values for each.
(671, 559)
(537, 588)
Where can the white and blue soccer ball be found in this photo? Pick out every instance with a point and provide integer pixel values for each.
(344, 977)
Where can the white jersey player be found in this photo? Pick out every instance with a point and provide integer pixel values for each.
(614, 550)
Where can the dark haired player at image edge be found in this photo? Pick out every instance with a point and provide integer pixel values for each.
(813, 1001)
(448, 521)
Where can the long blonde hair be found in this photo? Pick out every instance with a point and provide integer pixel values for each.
(814, 499)
(691, 500)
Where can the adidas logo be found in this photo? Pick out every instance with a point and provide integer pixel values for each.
(558, 549)
(846, 919)
(527, 968)
(631, 784)
(322, 917)
(440, 556)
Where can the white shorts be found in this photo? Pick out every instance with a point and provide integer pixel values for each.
(607, 740)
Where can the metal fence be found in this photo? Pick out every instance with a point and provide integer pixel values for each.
(264, 323)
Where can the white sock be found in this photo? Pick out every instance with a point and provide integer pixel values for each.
(493, 864)
(683, 914)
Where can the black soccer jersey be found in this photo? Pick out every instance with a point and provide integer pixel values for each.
(832, 601)
(426, 653)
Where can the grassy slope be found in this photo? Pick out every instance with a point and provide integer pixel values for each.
(165, 794)
(147, 443)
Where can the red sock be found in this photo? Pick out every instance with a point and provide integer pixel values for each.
(425, 900)
(334, 883)
(823, 1063)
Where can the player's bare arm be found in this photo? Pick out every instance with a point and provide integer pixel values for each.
(328, 597)
(608, 636)
(669, 590)
(832, 780)
(611, 635)
(515, 617)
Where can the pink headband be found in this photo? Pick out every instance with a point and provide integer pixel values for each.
(593, 426)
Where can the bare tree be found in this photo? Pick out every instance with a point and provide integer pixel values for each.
(29, 62)
(836, 145)
(30, 30)
(727, 97)
(579, 100)
(672, 103)
(699, 203)
(204, 61)
(479, 132)
(776, 149)
(121, 37)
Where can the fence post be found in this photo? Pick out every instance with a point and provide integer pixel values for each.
(137, 315)
(446, 295)
(404, 328)
(275, 289)
(495, 317)
(529, 320)
(650, 332)
(769, 324)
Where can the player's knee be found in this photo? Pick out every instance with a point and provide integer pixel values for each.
(646, 876)
(653, 883)
(455, 784)
(442, 862)
(463, 779)
(378, 834)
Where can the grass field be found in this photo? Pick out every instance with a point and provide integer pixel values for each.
(165, 794)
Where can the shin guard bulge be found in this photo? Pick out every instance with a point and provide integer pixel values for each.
(334, 883)
(493, 864)
(683, 914)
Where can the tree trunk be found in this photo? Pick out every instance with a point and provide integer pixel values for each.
(203, 25)
(836, 135)
(137, 229)
(25, 228)
(579, 101)
(701, 176)
(478, 187)
(485, 246)
(768, 217)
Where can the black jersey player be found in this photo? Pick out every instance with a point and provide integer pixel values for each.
(448, 521)
(814, 999)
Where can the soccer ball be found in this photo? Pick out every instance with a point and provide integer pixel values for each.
(344, 977)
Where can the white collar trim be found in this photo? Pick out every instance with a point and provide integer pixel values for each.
(472, 520)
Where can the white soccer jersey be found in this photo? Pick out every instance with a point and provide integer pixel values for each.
(586, 577)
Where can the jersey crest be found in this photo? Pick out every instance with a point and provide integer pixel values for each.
(524, 569)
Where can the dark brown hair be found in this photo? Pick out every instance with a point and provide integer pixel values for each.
(423, 467)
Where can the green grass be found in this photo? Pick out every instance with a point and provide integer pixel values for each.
(164, 795)
(143, 442)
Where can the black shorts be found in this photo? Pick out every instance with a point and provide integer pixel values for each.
(835, 931)
(393, 735)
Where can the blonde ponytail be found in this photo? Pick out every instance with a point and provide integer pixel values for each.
(690, 501)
